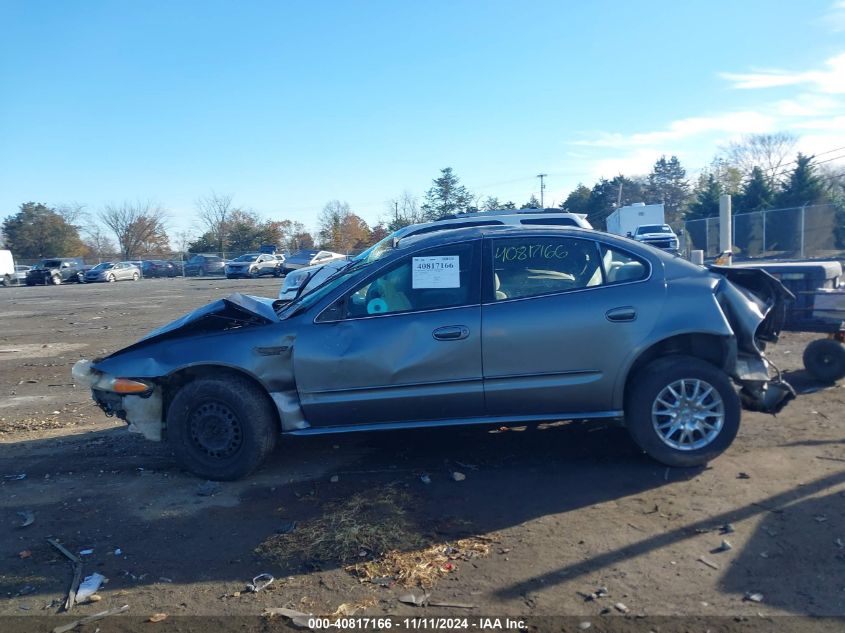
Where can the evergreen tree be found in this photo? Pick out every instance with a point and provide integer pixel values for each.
(706, 202)
(446, 196)
(607, 195)
(578, 200)
(667, 184)
(756, 195)
(532, 203)
(804, 186)
(38, 231)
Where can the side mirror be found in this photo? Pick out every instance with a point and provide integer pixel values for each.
(629, 234)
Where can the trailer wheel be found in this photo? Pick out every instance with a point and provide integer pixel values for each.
(825, 359)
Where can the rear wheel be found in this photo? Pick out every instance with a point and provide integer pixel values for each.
(56, 280)
(682, 411)
(7, 280)
(221, 428)
(825, 359)
(135, 276)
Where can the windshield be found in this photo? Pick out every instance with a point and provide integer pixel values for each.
(307, 300)
(246, 258)
(103, 266)
(653, 228)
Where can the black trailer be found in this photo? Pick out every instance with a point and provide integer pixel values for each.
(819, 292)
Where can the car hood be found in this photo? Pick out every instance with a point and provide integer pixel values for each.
(235, 311)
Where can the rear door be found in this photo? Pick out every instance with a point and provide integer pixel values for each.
(560, 315)
(404, 345)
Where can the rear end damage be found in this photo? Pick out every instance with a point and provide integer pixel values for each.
(754, 304)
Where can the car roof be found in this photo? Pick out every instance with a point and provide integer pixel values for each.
(447, 236)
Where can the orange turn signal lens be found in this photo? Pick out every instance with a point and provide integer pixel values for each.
(124, 385)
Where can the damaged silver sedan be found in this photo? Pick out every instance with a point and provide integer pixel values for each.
(484, 325)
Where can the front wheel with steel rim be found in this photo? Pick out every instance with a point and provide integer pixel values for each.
(222, 428)
(681, 410)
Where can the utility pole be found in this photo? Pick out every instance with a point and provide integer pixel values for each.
(542, 189)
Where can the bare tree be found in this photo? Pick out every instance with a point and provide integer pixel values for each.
(99, 244)
(74, 213)
(403, 211)
(139, 227)
(769, 152)
(214, 212)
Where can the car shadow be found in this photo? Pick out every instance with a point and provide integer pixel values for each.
(108, 489)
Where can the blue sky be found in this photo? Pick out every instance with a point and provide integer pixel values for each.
(287, 105)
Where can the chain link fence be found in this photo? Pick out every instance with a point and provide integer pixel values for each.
(808, 232)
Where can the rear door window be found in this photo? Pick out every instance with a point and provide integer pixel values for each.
(535, 266)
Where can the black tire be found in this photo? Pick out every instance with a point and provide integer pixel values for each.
(825, 359)
(110, 279)
(135, 276)
(56, 280)
(642, 395)
(222, 428)
(6, 281)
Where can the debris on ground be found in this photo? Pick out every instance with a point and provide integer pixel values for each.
(621, 607)
(86, 552)
(27, 518)
(157, 617)
(727, 528)
(77, 573)
(24, 553)
(422, 567)
(91, 618)
(373, 538)
(89, 586)
(348, 609)
(209, 488)
(754, 597)
(425, 478)
(709, 563)
(118, 552)
(297, 618)
(261, 581)
(334, 479)
(415, 599)
(743, 476)
(19, 477)
(286, 527)
(456, 476)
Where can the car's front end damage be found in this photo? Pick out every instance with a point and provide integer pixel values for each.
(131, 383)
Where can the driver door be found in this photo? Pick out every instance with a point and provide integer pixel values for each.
(404, 345)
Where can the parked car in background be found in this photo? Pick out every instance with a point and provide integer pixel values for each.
(201, 265)
(56, 270)
(113, 271)
(253, 265)
(483, 325)
(177, 266)
(310, 257)
(158, 268)
(315, 275)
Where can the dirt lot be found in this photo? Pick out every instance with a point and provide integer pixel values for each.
(561, 511)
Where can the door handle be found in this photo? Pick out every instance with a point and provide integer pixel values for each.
(451, 333)
(618, 315)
